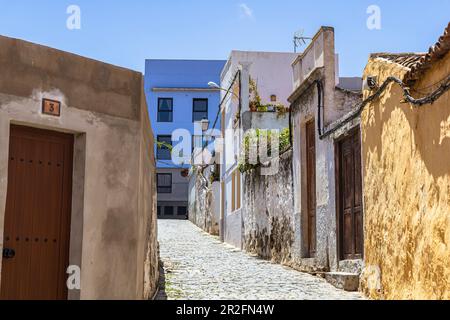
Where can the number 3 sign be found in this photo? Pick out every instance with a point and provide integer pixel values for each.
(51, 107)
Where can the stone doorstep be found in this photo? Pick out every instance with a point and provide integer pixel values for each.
(351, 266)
(343, 280)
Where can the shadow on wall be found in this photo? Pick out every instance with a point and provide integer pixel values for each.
(429, 126)
(406, 152)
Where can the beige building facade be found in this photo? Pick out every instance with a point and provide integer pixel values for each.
(108, 188)
(406, 152)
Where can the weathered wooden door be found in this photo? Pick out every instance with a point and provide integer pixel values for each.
(37, 216)
(350, 197)
(311, 185)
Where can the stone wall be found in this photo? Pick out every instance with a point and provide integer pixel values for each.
(406, 152)
(204, 203)
(268, 212)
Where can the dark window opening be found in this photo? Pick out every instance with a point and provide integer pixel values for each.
(168, 211)
(181, 211)
(165, 110)
(200, 110)
(163, 151)
(164, 182)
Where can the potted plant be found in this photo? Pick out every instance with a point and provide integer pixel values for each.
(262, 108)
(185, 173)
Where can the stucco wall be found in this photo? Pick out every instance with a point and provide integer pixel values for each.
(273, 76)
(204, 206)
(264, 120)
(320, 65)
(113, 230)
(406, 152)
(268, 213)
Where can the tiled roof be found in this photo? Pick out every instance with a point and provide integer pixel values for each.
(408, 60)
(436, 52)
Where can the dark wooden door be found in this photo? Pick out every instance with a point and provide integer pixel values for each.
(37, 217)
(311, 185)
(350, 197)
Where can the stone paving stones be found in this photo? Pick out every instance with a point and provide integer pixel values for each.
(199, 267)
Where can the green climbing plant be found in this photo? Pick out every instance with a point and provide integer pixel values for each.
(253, 138)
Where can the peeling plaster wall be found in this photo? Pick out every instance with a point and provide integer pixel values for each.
(406, 152)
(336, 104)
(268, 213)
(204, 204)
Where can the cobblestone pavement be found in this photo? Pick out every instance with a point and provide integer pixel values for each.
(199, 267)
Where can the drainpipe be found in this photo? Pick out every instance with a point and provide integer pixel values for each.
(244, 101)
(320, 107)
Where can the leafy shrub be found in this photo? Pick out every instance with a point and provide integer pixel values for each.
(253, 138)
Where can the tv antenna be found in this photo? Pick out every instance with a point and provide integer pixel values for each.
(300, 39)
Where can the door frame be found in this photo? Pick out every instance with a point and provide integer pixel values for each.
(338, 189)
(307, 253)
(74, 222)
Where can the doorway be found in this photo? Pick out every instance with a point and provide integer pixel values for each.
(311, 187)
(350, 208)
(37, 215)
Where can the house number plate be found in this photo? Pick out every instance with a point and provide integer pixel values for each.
(51, 107)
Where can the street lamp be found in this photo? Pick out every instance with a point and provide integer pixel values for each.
(214, 85)
(204, 123)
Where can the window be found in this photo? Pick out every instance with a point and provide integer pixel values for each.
(181, 211)
(273, 98)
(164, 182)
(165, 109)
(235, 190)
(163, 151)
(168, 211)
(200, 110)
(159, 211)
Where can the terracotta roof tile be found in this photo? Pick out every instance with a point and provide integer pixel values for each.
(436, 52)
(408, 60)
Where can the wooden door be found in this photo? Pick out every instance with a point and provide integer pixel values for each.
(311, 185)
(37, 216)
(350, 197)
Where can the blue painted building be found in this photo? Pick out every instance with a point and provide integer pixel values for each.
(177, 96)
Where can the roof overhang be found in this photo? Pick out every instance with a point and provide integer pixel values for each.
(306, 84)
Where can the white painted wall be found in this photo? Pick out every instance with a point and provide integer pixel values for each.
(272, 73)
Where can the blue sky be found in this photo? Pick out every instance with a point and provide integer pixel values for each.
(125, 33)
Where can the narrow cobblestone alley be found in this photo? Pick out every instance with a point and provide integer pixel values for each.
(199, 267)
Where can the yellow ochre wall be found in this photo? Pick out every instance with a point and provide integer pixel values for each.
(406, 163)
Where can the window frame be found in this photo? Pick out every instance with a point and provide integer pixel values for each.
(167, 187)
(158, 148)
(158, 110)
(194, 112)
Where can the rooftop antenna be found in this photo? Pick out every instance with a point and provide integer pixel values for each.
(300, 39)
